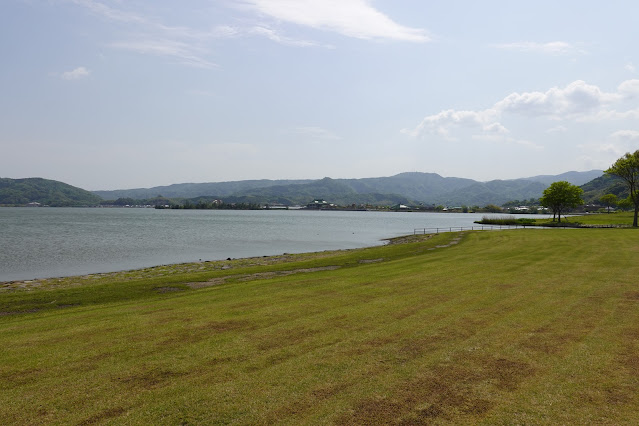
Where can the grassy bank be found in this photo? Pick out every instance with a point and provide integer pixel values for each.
(619, 219)
(504, 327)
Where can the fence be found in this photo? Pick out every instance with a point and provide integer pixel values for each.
(417, 231)
(465, 228)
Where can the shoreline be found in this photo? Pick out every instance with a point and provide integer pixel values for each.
(176, 269)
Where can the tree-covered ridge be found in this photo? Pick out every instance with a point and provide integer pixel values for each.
(606, 184)
(427, 188)
(405, 188)
(20, 192)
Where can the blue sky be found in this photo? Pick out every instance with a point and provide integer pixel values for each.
(107, 94)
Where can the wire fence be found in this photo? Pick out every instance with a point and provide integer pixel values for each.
(418, 231)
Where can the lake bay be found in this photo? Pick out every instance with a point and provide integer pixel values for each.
(55, 242)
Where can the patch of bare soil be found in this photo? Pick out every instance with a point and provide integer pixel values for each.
(451, 392)
(257, 276)
(410, 239)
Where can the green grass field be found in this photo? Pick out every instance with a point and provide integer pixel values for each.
(617, 218)
(536, 326)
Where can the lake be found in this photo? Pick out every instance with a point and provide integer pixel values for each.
(55, 242)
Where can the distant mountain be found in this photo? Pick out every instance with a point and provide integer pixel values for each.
(576, 178)
(192, 190)
(603, 185)
(334, 190)
(416, 186)
(18, 192)
(427, 188)
(494, 192)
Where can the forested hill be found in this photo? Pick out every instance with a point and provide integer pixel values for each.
(606, 184)
(428, 188)
(404, 188)
(20, 192)
(193, 190)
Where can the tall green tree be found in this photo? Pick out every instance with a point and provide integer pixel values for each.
(627, 168)
(561, 196)
(609, 200)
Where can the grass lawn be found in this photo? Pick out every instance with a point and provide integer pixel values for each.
(506, 327)
(616, 218)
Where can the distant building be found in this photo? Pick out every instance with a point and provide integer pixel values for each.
(400, 207)
(275, 206)
(317, 204)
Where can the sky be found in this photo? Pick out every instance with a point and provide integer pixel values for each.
(118, 94)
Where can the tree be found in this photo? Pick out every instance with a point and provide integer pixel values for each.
(625, 204)
(609, 200)
(560, 196)
(492, 208)
(627, 168)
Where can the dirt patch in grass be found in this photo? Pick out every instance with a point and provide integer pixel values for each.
(452, 392)
(168, 289)
(632, 295)
(305, 403)
(197, 333)
(25, 311)
(410, 239)
(104, 415)
(257, 276)
(149, 378)
(229, 325)
(20, 377)
(280, 339)
(381, 259)
(415, 348)
(547, 341)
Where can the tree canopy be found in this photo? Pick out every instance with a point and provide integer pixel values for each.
(561, 196)
(609, 200)
(627, 168)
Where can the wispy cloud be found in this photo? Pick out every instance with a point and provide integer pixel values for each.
(76, 74)
(550, 48)
(152, 37)
(275, 36)
(352, 18)
(110, 13)
(183, 53)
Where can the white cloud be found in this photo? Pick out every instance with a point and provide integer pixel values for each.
(626, 135)
(630, 67)
(551, 48)
(352, 18)
(76, 74)
(629, 88)
(443, 123)
(578, 101)
(610, 115)
(576, 98)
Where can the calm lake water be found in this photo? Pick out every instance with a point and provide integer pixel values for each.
(55, 242)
